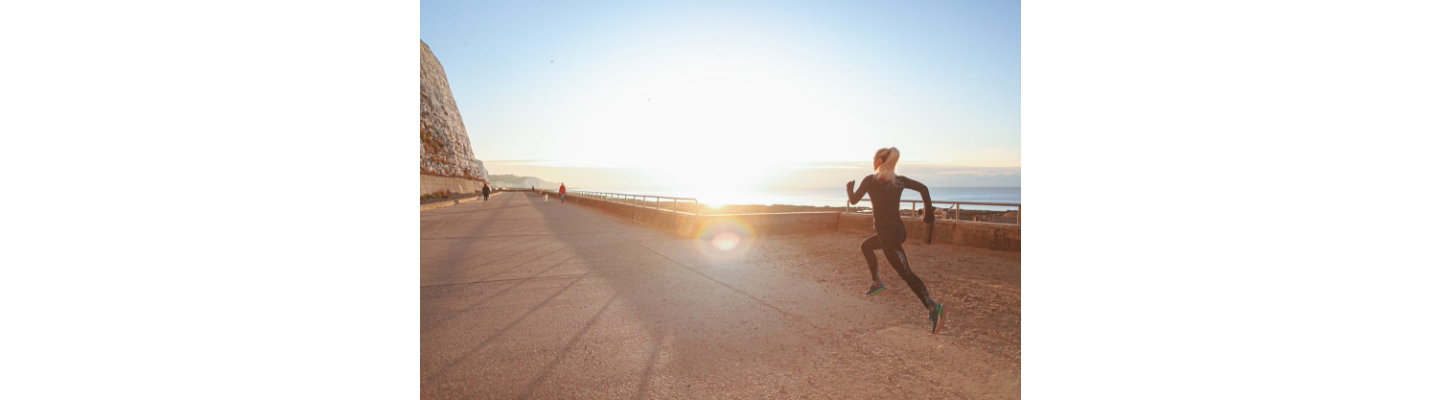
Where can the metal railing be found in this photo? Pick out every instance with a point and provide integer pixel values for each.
(950, 211)
(638, 200)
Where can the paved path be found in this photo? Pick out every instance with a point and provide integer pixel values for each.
(522, 298)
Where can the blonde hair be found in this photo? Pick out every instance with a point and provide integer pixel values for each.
(885, 173)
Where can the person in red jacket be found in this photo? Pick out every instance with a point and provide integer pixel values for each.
(562, 192)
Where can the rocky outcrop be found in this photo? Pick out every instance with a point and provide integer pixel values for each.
(444, 144)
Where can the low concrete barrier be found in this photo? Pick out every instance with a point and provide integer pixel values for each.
(685, 224)
(986, 235)
(438, 204)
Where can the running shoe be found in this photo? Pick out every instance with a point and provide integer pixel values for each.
(937, 318)
(875, 289)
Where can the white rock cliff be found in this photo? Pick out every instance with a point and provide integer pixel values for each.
(444, 144)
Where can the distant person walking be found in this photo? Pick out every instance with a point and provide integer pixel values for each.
(562, 192)
(884, 188)
(485, 192)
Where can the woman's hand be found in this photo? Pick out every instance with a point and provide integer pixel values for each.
(930, 215)
(850, 186)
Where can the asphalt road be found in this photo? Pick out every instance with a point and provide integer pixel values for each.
(522, 298)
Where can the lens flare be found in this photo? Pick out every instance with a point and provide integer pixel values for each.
(723, 239)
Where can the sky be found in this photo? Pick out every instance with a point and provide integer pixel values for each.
(734, 94)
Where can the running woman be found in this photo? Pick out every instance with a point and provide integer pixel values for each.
(884, 188)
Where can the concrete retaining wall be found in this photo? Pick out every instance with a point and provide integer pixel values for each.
(1003, 237)
(431, 184)
(986, 235)
(690, 225)
(680, 224)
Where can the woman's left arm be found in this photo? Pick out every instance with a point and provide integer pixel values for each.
(924, 194)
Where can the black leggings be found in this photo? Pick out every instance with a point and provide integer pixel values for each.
(889, 239)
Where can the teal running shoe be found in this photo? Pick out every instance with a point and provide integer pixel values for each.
(937, 319)
(875, 289)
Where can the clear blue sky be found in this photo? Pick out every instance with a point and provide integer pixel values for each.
(700, 86)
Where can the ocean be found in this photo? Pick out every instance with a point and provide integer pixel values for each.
(836, 196)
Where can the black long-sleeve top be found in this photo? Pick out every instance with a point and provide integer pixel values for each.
(885, 199)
